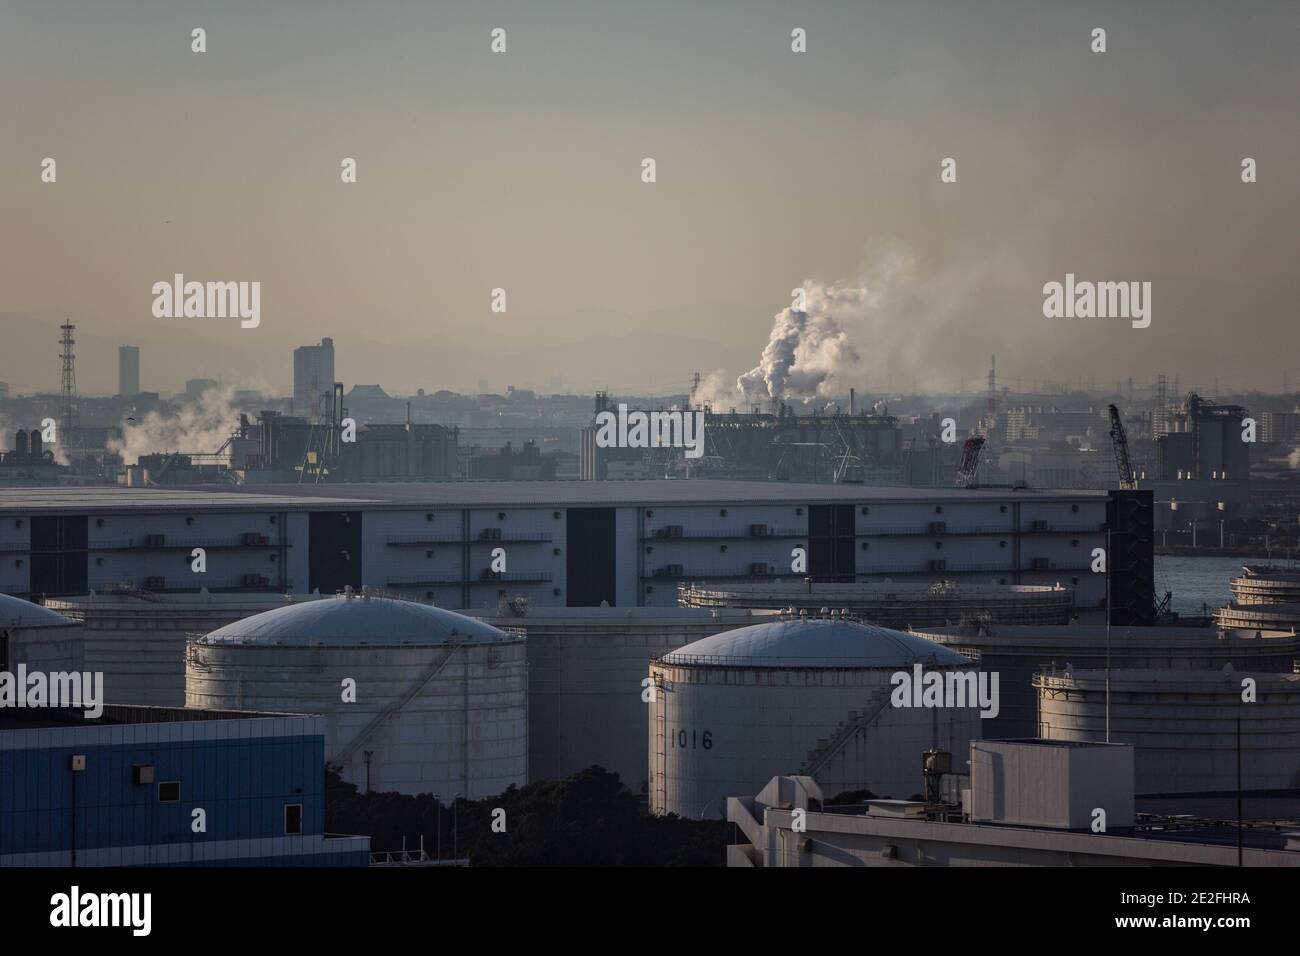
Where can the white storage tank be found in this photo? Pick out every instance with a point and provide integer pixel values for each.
(1019, 652)
(42, 639)
(1183, 724)
(440, 699)
(586, 666)
(137, 639)
(810, 697)
(1266, 584)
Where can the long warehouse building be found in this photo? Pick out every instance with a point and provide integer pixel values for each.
(574, 544)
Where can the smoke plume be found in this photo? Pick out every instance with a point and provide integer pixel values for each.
(199, 427)
(813, 352)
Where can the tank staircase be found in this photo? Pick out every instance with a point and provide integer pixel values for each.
(849, 728)
(341, 759)
(659, 796)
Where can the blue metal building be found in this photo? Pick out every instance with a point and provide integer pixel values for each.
(126, 790)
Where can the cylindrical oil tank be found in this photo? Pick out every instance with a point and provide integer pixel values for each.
(138, 642)
(1267, 617)
(1018, 652)
(416, 699)
(38, 637)
(1183, 724)
(798, 696)
(586, 668)
(20, 446)
(38, 449)
(902, 604)
(1266, 584)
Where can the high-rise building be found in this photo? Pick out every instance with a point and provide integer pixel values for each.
(313, 376)
(195, 387)
(128, 370)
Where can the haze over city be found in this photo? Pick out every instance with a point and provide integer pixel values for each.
(691, 434)
(523, 173)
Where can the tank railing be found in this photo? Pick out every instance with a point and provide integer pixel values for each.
(926, 530)
(184, 544)
(730, 534)
(398, 857)
(440, 580)
(511, 537)
(867, 590)
(973, 568)
(852, 663)
(201, 583)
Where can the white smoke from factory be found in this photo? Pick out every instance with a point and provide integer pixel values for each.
(814, 353)
(199, 427)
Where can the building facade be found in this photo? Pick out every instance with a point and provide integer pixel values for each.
(313, 376)
(575, 544)
(128, 370)
(144, 786)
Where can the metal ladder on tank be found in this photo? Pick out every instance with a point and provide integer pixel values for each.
(659, 798)
(823, 754)
(341, 759)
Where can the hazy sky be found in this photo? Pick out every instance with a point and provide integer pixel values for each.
(522, 171)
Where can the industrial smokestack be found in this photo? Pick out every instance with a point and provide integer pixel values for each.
(852, 400)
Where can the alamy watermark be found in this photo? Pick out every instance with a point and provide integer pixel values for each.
(60, 689)
(1098, 300)
(917, 688)
(130, 910)
(208, 300)
(637, 429)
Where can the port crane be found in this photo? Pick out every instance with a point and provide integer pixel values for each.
(969, 465)
(1119, 441)
(1128, 482)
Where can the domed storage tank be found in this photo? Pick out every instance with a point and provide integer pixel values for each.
(1183, 724)
(440, 699)
(138, 641)
(797, 696)
(42, 639)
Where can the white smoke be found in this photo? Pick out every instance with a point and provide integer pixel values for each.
(814, 352)
(1293, 459)
(199, 427)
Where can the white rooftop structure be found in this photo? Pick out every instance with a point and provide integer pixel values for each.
(815, 642)
(350, 620)
(15, 612)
